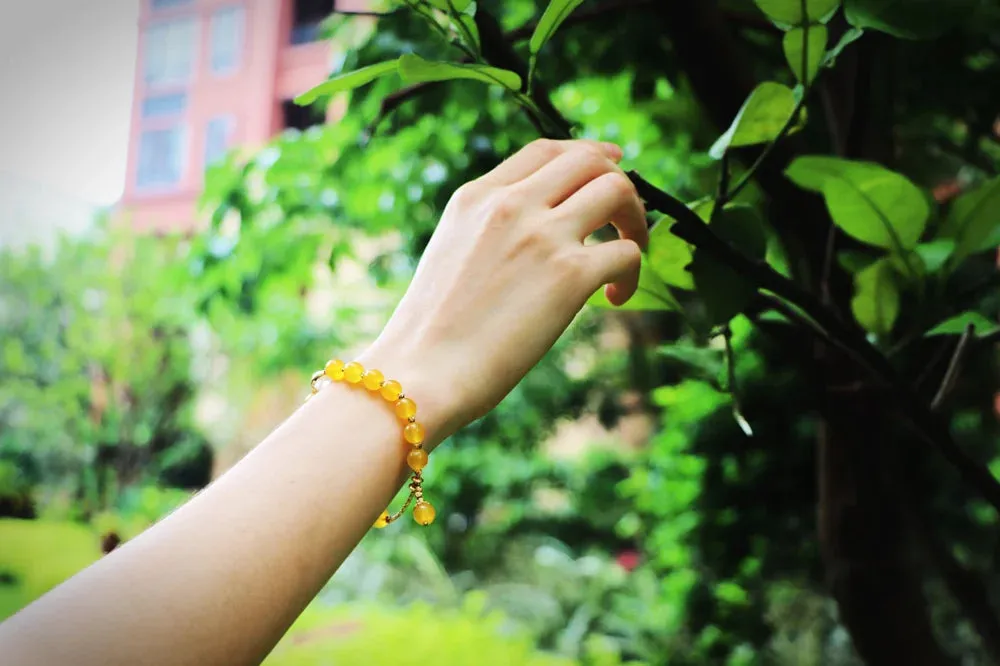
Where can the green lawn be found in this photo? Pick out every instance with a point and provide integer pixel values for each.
(35, 556)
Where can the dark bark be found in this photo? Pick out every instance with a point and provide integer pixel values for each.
(861, 524)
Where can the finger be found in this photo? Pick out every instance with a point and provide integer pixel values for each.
(616, 264)
(558, 180)
(537, 154)
(610, 198)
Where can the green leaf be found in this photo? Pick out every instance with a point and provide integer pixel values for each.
(849, 37)
(956, 325)
(789, 12)
(415, 69)
(855, 262)
(553, 16)
(876, 298)
(974, 219)
(762, 117)
(867, 201)
(725, 292)
(909, 19)
(651, 294)
(470, 27)
(348, 81)
(935, 253)
(816, 43)
(670, 256)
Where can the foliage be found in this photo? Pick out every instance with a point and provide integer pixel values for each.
(96, 386)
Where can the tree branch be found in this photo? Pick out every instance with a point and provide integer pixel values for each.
(954, 368)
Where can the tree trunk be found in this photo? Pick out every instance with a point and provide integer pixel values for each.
(869, 567)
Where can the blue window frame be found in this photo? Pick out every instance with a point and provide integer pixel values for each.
(161, 157)
(159, 106)
(170, 50)
(226, 29)
(167, 4)
(218, 137)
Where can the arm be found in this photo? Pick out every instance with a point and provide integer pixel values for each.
(221, 579)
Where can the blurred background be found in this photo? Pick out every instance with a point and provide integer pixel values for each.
(181, 245)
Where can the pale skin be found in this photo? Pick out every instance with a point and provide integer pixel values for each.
(220, 580)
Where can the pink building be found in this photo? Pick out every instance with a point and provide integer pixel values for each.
(213, 74)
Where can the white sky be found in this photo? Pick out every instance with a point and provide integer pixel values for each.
(66, 76)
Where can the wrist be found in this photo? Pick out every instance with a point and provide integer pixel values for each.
(423, 381)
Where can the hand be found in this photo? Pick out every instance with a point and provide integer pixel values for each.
(505, 273)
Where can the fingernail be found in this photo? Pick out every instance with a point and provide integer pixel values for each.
(613, 149)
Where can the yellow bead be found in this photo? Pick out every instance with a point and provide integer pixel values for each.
(413, 433)
(423, 513)
(416, 459)
(405, 408)
(391, 390)
(335, 369)
(373, 380)
(382, 520)
(353, 372)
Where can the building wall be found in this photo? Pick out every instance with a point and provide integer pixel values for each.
(247, 99)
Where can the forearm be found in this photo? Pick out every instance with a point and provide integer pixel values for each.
(221, 579)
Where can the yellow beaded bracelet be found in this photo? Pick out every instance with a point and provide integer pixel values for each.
(413, 432)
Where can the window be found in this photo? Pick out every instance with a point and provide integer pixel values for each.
(301, 117)
(218, 136)
(166, 4)
(226, 39)
(160, 157)
(307, 16)
(164, 105)
(169, 51)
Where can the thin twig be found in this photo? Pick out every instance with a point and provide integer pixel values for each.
(731, 388)
(954, 368)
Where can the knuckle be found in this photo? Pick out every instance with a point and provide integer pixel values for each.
(468, 193)
(618, 185)
(591, 160)
(502, 210)
(548, 148)
(536, 242)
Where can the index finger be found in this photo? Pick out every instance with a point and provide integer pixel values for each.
(537, 154)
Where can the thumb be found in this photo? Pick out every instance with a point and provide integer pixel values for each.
(616, 264)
